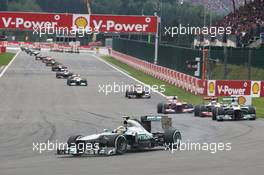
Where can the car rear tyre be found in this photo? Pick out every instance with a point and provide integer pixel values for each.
(160, 108)
(252, 111)
(172, 136)
(197, 111)
(214, 113)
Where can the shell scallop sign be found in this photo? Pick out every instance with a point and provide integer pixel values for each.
(255, 88)
(211, 88)
(81, 21)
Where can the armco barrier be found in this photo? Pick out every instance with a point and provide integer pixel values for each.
(186, 82)
(193, 84)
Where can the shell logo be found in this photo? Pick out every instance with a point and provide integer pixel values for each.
(242, 100)
(211, 87)
(81, 22)
(255, 88)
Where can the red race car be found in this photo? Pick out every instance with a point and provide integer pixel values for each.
(174, 105)
(207, 109)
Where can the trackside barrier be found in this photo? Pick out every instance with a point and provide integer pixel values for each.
(2, 47)
(193, 84)
(186, 82)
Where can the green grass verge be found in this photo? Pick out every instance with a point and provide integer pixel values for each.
(236, 72)
(147, 79)
(170, 89)
(5, 58)
(259, 103)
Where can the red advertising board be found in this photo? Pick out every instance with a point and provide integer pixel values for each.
(262, 89)
(28, 21)
(127, 24)
(101, 23)
(232, 87)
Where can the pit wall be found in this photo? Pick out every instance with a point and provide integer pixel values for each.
(193, 84)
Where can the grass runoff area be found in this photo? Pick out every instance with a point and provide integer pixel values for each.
(237, 72)
(170, 89)
(5, 58)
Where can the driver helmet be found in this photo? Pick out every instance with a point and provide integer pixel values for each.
(120, 130)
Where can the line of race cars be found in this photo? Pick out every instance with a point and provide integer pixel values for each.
(137, 134)
(226, 110)
(61, 70)
(133, 135)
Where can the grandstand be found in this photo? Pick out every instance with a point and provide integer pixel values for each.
(247, 24)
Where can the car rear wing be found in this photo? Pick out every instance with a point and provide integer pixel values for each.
(166, 122)
(230, 99)
(171, 97)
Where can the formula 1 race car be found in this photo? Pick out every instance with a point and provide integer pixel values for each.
(133, 135)
(23, 48)
(59, 68)
(30, 52)
(207, 109)
(52, 62)
(234, 111)
(63, 75)
(137, 91)
(76, 81)
(45, 60)
(40, 57)
(174, 106)
(34, 53)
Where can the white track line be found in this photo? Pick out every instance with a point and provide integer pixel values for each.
(6, 67)
(126, 74)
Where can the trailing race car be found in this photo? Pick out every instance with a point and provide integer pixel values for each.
(137, 91)
(174, 106)
(59, 68)
(52, 62)
(45, 60)
(234, 111)
(66, 74)
(28, 50)
(207, 109)
(23, 48)
(34, 53)
(76, 81)
(132, 135)
(40, 57)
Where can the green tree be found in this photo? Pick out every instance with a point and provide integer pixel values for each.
(3, 5)
(25, 5)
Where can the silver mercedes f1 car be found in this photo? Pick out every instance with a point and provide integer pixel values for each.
(132, 135)
(234, 111)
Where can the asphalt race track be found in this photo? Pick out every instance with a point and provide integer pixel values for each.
(36, 107)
